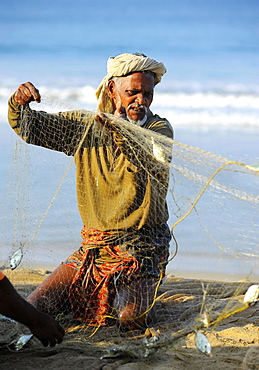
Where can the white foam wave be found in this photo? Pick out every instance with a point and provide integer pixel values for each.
(207, 100)
(204, 108)
(206, 119)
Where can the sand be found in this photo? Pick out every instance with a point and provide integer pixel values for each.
(234, 341)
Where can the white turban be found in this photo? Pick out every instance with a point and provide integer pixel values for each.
(121, 66)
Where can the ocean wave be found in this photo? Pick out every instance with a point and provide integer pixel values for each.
(207, 100)
(207, 119)
(225, 108)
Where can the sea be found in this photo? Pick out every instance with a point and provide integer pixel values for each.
(210, 92)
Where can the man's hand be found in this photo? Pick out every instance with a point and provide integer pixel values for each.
(120, 111)
(47, 330)
(104, 121)
(26, 93)
(42, 325)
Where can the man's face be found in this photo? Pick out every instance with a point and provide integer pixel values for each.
(133, 94)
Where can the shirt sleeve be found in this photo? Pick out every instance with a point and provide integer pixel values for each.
(160, 125)
(60, 131)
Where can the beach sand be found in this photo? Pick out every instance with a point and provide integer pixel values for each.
(234, 341)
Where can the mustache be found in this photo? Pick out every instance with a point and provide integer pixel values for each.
(139, 106)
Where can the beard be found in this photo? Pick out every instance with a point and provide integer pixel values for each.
(137, 122)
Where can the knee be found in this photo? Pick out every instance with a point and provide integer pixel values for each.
(131, 316)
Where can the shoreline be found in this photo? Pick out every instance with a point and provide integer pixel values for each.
(28, 276)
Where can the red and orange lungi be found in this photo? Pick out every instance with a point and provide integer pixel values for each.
(106, 260)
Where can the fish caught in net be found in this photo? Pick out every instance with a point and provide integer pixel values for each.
(122, 257)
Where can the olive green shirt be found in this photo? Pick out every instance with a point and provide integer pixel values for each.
(119, 184)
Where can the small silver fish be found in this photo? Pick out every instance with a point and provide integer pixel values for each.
(4, 318)
(150, 342)
(252, 294)
(117, 352)
(158, 152)
(205, 319)
(16, 258)
(22, 341)
(203, 344)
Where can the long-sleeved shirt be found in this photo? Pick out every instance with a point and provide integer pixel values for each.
(119, 185)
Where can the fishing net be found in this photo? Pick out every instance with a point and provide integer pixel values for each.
(213, 208)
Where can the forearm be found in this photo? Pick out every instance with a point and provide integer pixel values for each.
(14, 306)
(42, 325)
(14, 112)
(62, 131)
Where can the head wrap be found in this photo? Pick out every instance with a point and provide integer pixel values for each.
(121, 66)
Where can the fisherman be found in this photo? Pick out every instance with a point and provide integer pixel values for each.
(42, 325)
(125, 246)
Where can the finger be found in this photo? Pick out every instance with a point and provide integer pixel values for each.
(33, 91)
(61, 330)
(52, 342)
(18, 97)
(120, 110)
(104, 121)
(59, 339)
(26, 93)
(99, 116)
(22, 95)
(45, 342)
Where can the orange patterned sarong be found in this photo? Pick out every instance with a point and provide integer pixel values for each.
(104, 262)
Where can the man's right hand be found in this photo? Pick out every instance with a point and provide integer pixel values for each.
(26, 93)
